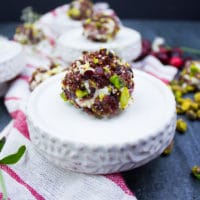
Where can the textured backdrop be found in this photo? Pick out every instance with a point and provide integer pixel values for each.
(144, 9)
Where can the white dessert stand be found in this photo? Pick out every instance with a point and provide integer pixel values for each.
(12, 62)
(74, 140)
(71, 44)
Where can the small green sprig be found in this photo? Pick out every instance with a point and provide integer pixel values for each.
(29, 15)
(10, 160)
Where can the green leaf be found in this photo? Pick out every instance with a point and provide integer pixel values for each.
(2, 142)
(13, 158)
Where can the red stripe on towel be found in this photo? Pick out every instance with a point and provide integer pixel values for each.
(11, 98)
(118, 179)
(20, 123)
(25, 78)
(14, 114)
(30, 66)
(19, 180)
(162, 79)
(2, 197)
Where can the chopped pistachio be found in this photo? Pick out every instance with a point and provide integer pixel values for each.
(193, 69)
(178, 94)
(185, 105)
(169, 149)
(196, 172)
(73, 12)
(197, 97)
(181, 126)
(176, 88)
(87, 21)
(189, 88)
(191, 115)
(107, 70)
(180, 100)
(124, 98)
(194, 106)
(81, 93)
(62, 95)
(115, 80)
(95, 60)
(101, 96)
(198, 114)
(179, 110)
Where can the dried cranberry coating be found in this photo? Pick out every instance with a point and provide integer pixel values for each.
(100, 83)
(80, 9)
(101, 27)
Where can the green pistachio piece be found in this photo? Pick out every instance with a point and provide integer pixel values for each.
(101, 96)
(181, 126)
(198, 114)
(185, 105)
(73, 12)
(196, 172)
(62, 95)
(81, 93)
(194, 69)
(95, 60)
(179, 110)
(191, 115)
(116, 81)
(178, 95)
(88, 21)
(197, 97)
(189, 88)
(124, 98)
(169, 149)
(194, 106)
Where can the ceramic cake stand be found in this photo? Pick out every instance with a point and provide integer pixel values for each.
(74, 140)
(11, 62)
(71, 44)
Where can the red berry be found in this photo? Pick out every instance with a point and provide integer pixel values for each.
(163, 57)
(176, 61)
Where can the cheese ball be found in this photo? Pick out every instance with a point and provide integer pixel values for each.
(28, 34)
(101, 27)
(41, 74)
(99, 83)
(80, 9)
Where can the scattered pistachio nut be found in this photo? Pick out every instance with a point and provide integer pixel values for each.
(196, 172)
(191, 115)
(197, 97)
(181, 126)
(169, 149)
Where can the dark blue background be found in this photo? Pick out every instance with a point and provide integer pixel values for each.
(144, 9)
